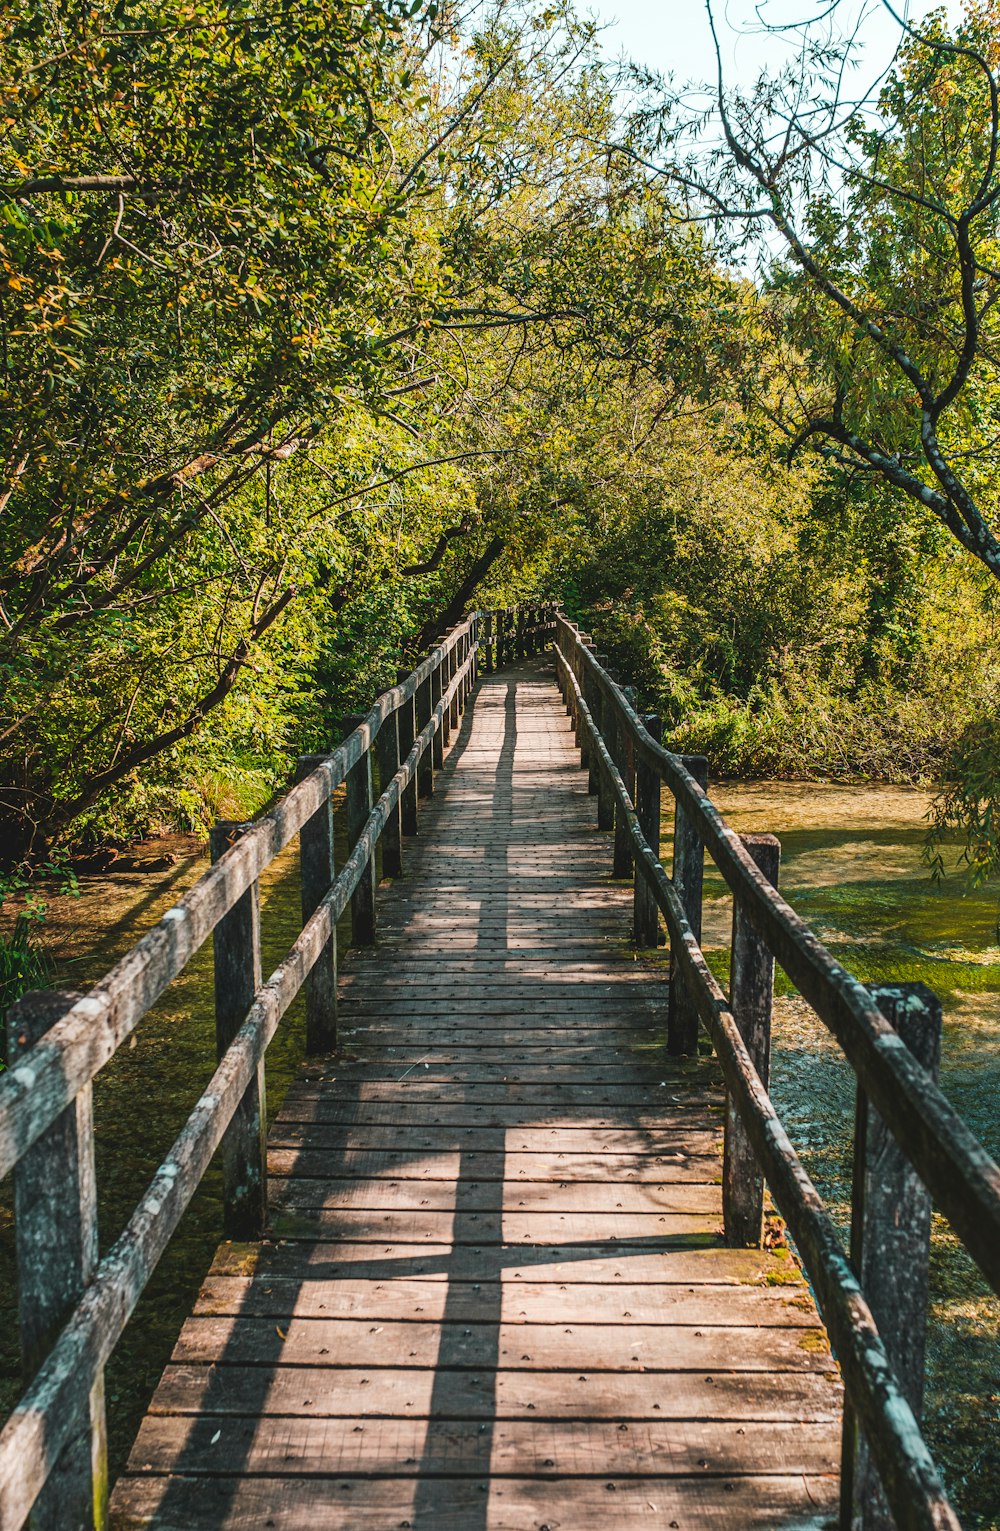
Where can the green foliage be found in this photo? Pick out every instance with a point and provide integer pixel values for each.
(23, 965)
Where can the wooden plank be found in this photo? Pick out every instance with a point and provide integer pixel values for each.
(446, 1504)
(584, 1348)
(593, 1263)
(673, 1146)
(400, 1447)
(545, 1198)
(488, 1227)
(491, 1165)
(344, 1392)
(448, 1114)
(525, 1302)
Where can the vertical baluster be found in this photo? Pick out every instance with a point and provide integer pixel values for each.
(387, 755)
(688, 876)
(489, 618)
(602, 715)
(425, 770)
(317, 872)
(452, 672)
(55, 1228)
(436, 691)
(890, 1248)
(406, 722)
(648, 788)
(751, 991)
(359, 807)
(236, 945)
(625, 761)
(588, 749)
(501, 625)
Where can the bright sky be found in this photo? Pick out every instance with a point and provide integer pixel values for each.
(673, 36)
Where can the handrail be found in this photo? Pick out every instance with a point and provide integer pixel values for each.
(962, 1177)
(903, 1092)
(50, 1076)
(33, 1093)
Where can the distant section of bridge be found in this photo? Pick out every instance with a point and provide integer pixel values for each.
(494, 1295)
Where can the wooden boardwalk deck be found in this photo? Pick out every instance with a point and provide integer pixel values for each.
(495, 1298)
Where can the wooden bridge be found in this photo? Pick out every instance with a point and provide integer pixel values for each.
(500, 1265)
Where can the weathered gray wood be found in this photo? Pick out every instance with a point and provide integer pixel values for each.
(601, 709)
(316, 859)
(425, 770)
(741, 1502)
(359, 807)
(488, 621)
(453, 667)
(390, 1448)
(437, 689)
(890, 1248)
(342, 1392)
(688, 877)
(236, 945)
(751, 992)
(646, 915)
(388, 757)
(625, 761)
(55, 1225)
(407, 728)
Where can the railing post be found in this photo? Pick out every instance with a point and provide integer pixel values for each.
(624, 757)
(751, 993)
(890, 1248)
(688, 876)
(437, 748)
(461, 656)
(519, 634)
(425, 770)
(55, 1228)
(236, 945)
(406, 723)
(501, 625)
(317, 872)
(387, 756)
(488, 618)
(600, 709)
(454, 716)
(588, 689)
(647, 806)
(359, 807)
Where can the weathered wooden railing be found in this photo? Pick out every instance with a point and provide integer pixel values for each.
(910, 1145)
(75, 1306)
